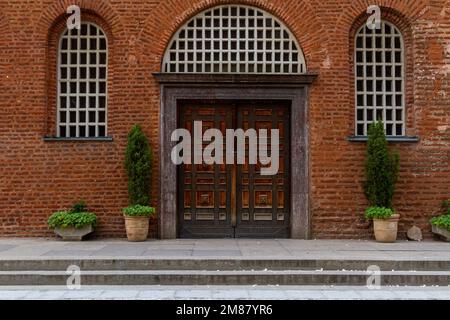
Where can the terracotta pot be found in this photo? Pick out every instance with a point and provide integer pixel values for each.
(386, 229)
(137, 228)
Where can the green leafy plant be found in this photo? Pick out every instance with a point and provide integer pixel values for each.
(66, 219)
(443, 221)
(138, 211)
(378, 213)
(381, 168)
(77, 217)
(138, 159)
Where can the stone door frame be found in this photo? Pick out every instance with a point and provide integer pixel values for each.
(293, 88)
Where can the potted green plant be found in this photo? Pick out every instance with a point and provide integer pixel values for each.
(385, 223)
(137, 221)
(138, 165)
(441, 225)
(74, 224)
(381, 172)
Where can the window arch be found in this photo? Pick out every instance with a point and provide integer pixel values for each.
(380, 79)
(234, 39)
(82, 82)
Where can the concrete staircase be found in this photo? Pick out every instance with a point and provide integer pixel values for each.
(199, 271)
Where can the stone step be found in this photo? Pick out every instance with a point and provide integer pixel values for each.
(209, 277)
(219, 264)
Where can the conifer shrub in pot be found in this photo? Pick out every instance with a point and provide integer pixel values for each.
(74, 224)
(381, 171)
(138, 158)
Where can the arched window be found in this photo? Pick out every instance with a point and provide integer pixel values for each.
(379, 79)
(82, 82)
(234, 39)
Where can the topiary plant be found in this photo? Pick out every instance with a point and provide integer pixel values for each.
(381, 168)
(138, 159)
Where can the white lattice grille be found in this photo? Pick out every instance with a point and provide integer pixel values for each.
(82, 82)
(379, 74)
(234, 39)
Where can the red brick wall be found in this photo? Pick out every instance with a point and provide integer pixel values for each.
(37, 177)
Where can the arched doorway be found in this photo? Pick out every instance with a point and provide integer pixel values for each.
(235, 67)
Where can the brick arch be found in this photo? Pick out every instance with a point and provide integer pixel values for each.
(357, 8)
(395, 17)
(55, 12)
(298, 16)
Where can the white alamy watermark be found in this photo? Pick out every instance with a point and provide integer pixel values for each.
(374, 20)
(74, 280)
(74, 20)
(213, 153)
(374, 279)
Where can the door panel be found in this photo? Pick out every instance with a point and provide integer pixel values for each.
(234, 200)
(204, 191)
(261, 206)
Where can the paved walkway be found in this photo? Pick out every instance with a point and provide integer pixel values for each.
(225, 293)
(223, 248)
(23, 249)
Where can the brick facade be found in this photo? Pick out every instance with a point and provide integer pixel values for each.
(38, 177)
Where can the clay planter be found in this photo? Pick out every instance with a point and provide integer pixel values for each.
(444, 234)
(386, 229)
(72, 233)
(137, 228)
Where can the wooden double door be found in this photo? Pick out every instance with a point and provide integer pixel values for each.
(227, 200)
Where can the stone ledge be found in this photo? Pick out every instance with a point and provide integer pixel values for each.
(407, 139)
(234, 78)
(65, 139)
